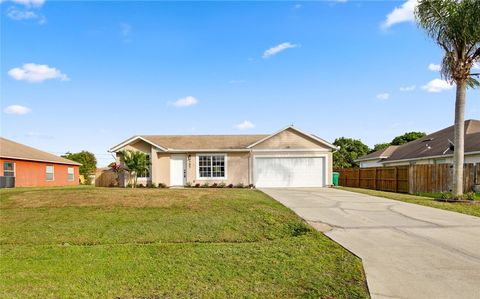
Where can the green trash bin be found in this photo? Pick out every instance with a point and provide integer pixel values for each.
(335, 176)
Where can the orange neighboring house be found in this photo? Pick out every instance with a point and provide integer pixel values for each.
(24, 166)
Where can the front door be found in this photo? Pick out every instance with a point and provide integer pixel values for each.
(178, 170)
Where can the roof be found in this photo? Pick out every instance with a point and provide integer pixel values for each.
(13, 150)
(437, 144)
(380, 154)
(204, 141)
(209, 142)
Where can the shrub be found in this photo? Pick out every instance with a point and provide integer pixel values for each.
(197, 185)
(470, 195)
(239, 185)
(152, 185)
(214, 185)
(129, 185)
(230, 186)
(162, 185)
(445, 195)
(221, 185)
(188, 185)
(251, 186)
(140, 186)
(205, 185)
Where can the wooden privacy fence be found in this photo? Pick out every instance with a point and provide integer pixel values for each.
(408, 179)
(105, 178)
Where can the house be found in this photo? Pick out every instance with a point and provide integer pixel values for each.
(436, 148)
(287, 158)
(24, 166)
(375, 159)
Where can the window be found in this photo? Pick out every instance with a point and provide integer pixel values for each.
(70, 175)
(49, 172)
(211, 166)
(145, 174)
(8, 169)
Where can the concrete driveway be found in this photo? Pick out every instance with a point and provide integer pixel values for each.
(408, 251)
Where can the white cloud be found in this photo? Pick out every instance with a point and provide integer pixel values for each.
(408, 88)
(383, 96)
(403, 13)
(24, 14)
(32, 72)
(29, 3)
(16, 109)
(185, 102)
(437, 85)
(297, 6)
(245, 125)
(434, 67)
(278, 48)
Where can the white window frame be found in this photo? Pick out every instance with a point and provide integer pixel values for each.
(68, 174)
(197, 166)
(53, 173)
(14, 168)
(149, 169)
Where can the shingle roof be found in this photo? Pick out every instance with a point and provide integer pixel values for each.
(14, 150)
(380, 154)
(437, 144)
(184, 142)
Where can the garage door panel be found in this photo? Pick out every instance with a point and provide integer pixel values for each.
(289, 171)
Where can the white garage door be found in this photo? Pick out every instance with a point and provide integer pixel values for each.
(289, 172)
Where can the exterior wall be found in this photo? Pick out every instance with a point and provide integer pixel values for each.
(290, 139)
(33, 174)
(328, 155)
(371, 163)
(161, 169)
(447, 160)
(237, 169)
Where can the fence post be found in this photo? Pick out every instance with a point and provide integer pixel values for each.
(411, 179)
(396, 179)
(375, 179)
(358, 178)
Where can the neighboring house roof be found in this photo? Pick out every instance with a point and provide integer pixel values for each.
(13, 150)
(380, 154)
(437, 144)
(208, 142)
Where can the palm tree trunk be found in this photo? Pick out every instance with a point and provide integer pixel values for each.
(458, 154)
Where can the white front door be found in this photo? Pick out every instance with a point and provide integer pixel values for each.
(178, 170)
(289, 171)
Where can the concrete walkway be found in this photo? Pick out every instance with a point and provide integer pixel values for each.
(408, 251)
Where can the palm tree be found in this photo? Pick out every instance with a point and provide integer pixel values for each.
(455, 26)
(135, 162)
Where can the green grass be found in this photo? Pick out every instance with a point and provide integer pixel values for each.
(156, 243)
(464, 208)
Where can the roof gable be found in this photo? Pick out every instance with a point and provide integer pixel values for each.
(286, 141)
(380, 154)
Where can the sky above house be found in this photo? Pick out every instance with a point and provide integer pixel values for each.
(88, 75)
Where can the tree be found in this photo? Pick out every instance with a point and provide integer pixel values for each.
(88, 161)
(380, 146)
(350, 150)
(135, 162)
(455, 26)
(407, 137)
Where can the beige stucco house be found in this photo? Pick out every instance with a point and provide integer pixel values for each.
(287, 158)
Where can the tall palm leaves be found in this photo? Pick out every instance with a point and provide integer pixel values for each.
(455, 26)
(135, 162)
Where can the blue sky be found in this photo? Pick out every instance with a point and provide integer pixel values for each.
(87, 75)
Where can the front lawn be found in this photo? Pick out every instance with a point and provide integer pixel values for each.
(155, 243)
(464, 208)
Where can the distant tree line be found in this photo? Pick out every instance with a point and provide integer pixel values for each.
(352, 149)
